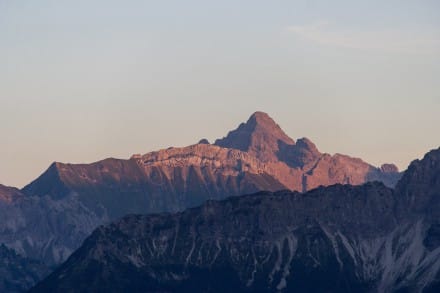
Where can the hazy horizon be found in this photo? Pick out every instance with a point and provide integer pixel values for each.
(86, 80)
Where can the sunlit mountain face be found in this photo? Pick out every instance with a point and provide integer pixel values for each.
(49, 218)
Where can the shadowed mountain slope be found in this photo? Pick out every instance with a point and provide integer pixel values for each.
(18, 273)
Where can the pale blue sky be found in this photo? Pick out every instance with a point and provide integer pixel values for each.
(85, 80)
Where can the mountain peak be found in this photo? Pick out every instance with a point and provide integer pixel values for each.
(264, 121)
(260, 135)
(261, 118)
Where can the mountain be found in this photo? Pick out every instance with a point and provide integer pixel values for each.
(420, 186)
(299, 165)
(341, 238)
(168, 180)
(47, 229)
(260, 136)
(258, 155)
(50, 217)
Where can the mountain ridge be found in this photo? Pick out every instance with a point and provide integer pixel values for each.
(341, 238)
(173, 179)
(56, 212)
(259, 136)
(271, 146)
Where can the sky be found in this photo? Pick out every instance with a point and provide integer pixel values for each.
(81, 80)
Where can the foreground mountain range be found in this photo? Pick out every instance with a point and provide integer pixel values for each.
(49, 218)
(341, 238)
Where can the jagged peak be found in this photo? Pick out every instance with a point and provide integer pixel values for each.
(262, 121)
(260, 135)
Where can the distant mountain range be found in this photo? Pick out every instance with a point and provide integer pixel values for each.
(341, 238)
(49, 218)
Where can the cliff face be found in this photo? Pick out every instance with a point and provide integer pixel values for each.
(341, 238)
(260, 136)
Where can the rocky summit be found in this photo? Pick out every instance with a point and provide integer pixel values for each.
(260, 136)
(50, 217)
(341, 238)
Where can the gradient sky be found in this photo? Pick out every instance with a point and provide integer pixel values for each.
(85, 80)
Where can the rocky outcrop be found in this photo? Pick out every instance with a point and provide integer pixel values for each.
(341, 238)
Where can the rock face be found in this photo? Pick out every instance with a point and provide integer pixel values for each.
(51, 217)
(47, 229)
(340, 238)
(168, 180)
(260, 136)
(300, 166)
(18, 273)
